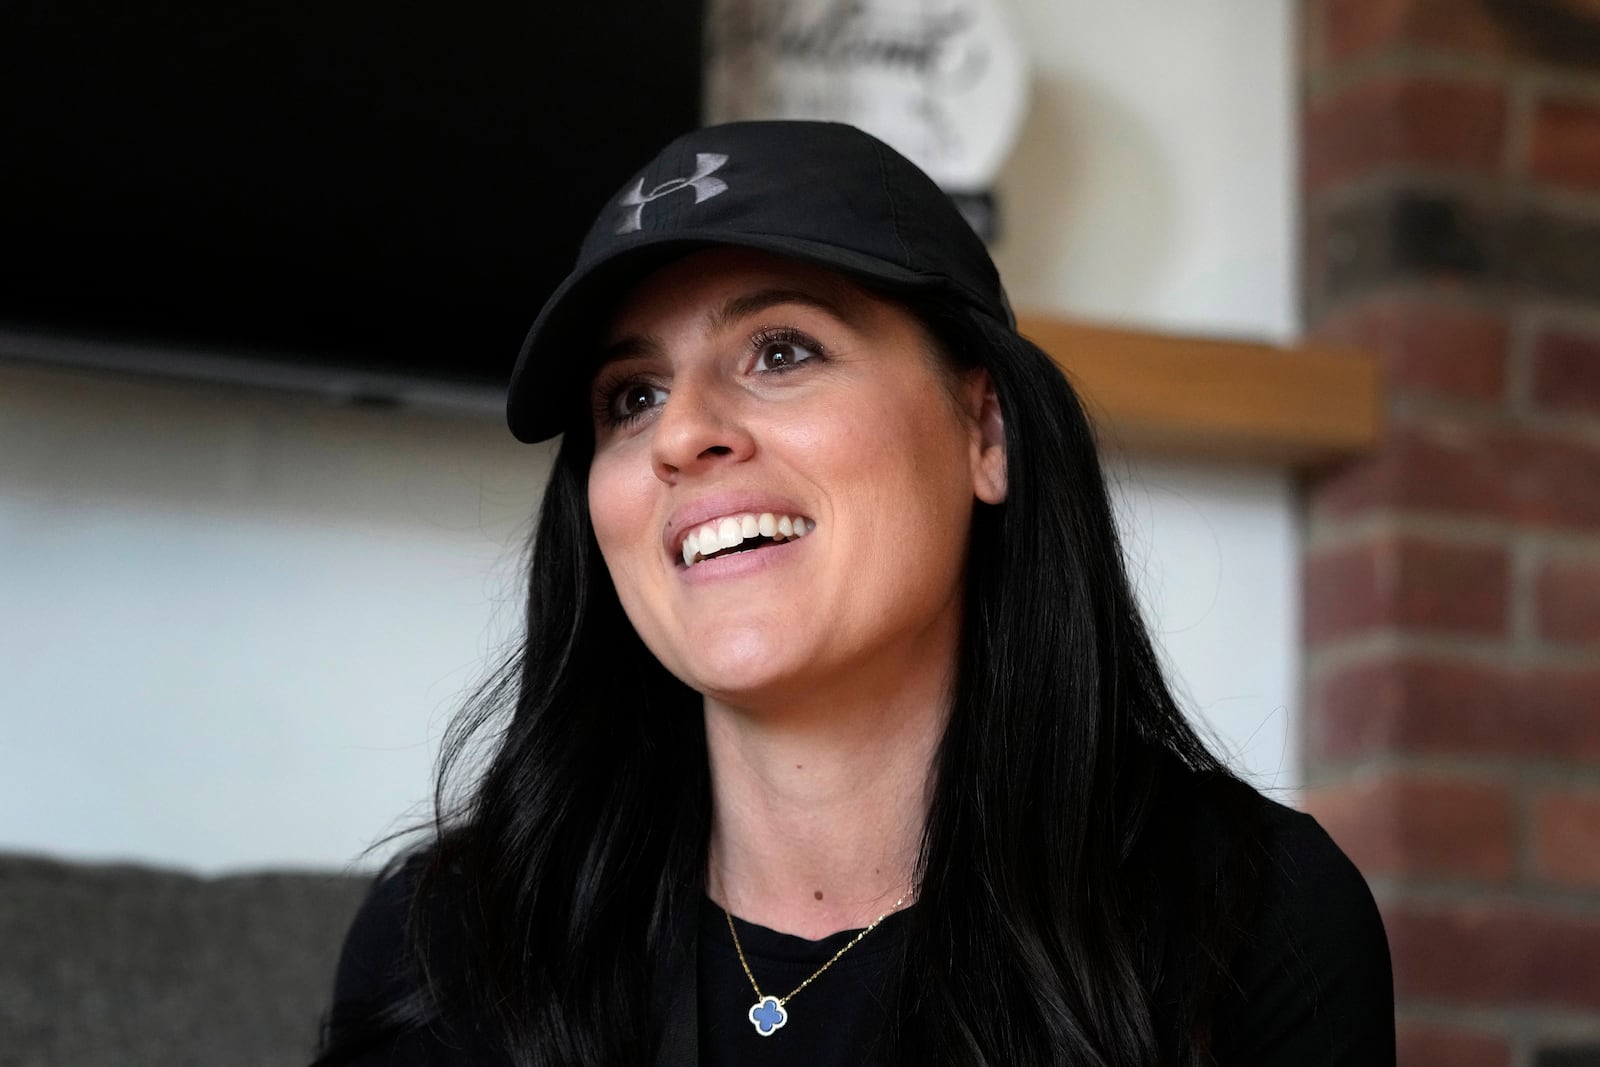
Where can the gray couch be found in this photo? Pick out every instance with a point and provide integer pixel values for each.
(129, 966)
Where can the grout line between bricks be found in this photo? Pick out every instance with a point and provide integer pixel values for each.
(1535, 771)
(1526, 324)
(1400, 891)
(1523, 629)
(1437, 414)
(1392, 642)
(1324, 80)
(1405, 62)
(1500, 1021)
(1522, 103)
(1328, 534)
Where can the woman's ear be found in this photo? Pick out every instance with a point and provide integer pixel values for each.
(988, 438)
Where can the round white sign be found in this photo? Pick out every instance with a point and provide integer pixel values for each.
(943, 81)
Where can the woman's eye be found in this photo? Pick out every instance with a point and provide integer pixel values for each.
(783, 354)
(635, 399)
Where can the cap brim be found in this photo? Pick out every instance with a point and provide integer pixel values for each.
(557, 356)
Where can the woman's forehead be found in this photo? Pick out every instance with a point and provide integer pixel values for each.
(721, 285)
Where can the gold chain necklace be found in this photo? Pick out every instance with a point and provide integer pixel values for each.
(768, 1013)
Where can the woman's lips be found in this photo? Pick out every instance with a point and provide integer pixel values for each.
(732, 531)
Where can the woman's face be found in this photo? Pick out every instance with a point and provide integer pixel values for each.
(820, 462)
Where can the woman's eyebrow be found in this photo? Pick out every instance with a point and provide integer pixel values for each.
(738, 307)
(629, 347)
(732, 310)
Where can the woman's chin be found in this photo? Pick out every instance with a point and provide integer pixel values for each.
(749, 685)
(729, 652)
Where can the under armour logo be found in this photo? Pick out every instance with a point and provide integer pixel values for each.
(701, 181)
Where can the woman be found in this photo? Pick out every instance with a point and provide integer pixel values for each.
(836, 736)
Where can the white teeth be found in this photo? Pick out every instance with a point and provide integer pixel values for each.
(735, 530)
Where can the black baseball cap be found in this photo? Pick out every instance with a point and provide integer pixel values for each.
(821, 192)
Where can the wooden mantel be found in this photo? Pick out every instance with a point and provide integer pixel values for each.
(1299, 407)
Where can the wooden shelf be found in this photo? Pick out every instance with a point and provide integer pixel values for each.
(1299, 407)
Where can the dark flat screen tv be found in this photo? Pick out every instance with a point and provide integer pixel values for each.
(366, 198)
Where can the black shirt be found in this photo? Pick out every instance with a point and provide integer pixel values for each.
(834, 1020)
(1311, 982)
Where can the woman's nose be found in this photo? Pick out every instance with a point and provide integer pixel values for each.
(698, 427)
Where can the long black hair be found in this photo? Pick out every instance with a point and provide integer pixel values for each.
(1063, 915)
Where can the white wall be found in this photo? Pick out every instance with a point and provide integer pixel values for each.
(1213, 552)
(232, 623)
(1153, 184)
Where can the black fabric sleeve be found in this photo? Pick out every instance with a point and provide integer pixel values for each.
(380, 1015)
(373, 962)
(1312, 982)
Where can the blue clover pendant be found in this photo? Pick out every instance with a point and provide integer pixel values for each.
(768, 1016)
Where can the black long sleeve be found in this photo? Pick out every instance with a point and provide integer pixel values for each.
(1313, 986)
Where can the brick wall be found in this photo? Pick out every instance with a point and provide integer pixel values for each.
(1452, 587)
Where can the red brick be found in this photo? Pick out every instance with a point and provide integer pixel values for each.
(1495, 954)
(1411, 583)
(1353, 27)
(1408, 825)
(1356, 27)
(1429, 1045)
(1457, 353)
(1551, 480)
(1565, 146)
(1566, 837)
(1568, 599)
(1429, 121)
(1535, 477)
(1437, 706)
(1549, 32)
(1419, 469)
(1566, 371)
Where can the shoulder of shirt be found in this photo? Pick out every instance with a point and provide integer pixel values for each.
(1310, 979)
(375, 959)
(382, 1003)
(1305, 879)
(1301, 882)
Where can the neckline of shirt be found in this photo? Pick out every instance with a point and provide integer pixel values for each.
(761, 942)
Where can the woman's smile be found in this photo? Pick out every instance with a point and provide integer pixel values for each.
(699, 539)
